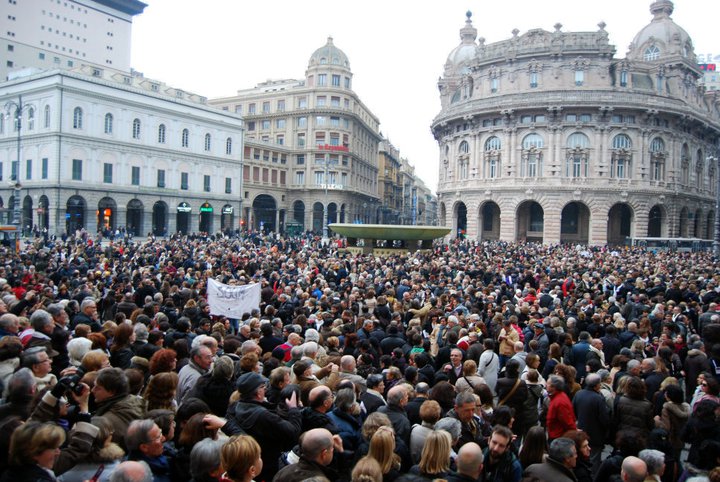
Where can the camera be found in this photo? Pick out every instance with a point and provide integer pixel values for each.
(72, 382)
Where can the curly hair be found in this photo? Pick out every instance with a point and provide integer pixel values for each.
(162, 360)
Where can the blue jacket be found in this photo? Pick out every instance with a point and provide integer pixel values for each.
(349, 427)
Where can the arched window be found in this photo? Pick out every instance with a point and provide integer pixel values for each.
(657, 159)
(699, 169)
(185, 141)
(493, 144)
(685, 165)
(576, 162)
(228, 146)
(161, 134)
(136, 129)
(621, 157)
(493, 157)
(31, 118)
(533, 140)
(651, 53)
(77, 118)
(47, 117)
(207, 142)
(531, 165)
(464, 147)
(108, 123)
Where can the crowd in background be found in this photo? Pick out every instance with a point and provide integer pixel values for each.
(469, 362)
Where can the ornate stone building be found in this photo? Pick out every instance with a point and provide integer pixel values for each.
(547, 136)
(330, 139)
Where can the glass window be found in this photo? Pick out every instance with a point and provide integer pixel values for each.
(108, 123)
(281, 105)
(526, 119)
(44, 168)
(571, 117)
(28, 169)
(107, 173)
(302, 121)
(533, 80)
(585, 118)
(280, 139)
(651, 53)
(77, 118)
(336, 80)
(266, 107)
(228, 185)
(31, 118)
(301, 139)
(464, 147)
(14, 168)
(493, 144)
(251, 125)
(493, 85)
(185, 139)
(533, 140)
(161, 134)
(136, 129)
(623, 78)
(335, 101)
(322, 80)
(579, 77)
(161, 178)
(184, 176)
(321, 100)
(135, 176)
(320, 120)
(657, 145)
(621, 141)
(207, 142)
(47, 116)
(302, 103)
(347, 82)
(206, 183)
(334, 121)
(280, 123)
(578, 140)
(77, 169)
(300, 177)
(228, 146)
(251, 108)
(265, 124)
(300, 159)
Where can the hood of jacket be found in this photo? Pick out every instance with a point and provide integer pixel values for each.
(678, 410)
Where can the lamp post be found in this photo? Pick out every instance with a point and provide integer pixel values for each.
(325, 239)
(16, 109)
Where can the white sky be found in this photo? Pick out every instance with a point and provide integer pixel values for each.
(397, 48)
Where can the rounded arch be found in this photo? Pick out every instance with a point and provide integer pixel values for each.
(493, 143)
(460, 219)
(75, 214)
(264, 212)
(159, 218)
(575, 223)
(530, 222)
(27, 214)
(683, 224)
(578, 140)
(657, 227)
(657, 145)
(489, 221)
(206, 218)
(43, 213)
(622, 141)
(620, 223)
(464, 147)
(227, 218)
(533, 140)
(317, 217)
(182, 218)
(299, 212)
(134, 217)
(710, 225)
(106, 214)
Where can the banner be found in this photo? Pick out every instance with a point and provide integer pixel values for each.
(232, 301)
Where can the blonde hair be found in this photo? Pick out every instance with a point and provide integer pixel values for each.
(238, 456)
(435, 457)
(31, 439)
(367, 469)
(382, 449)
(469, 368)
(373, 422)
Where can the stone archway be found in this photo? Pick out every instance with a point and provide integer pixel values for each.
(461, 223)
(27, 215)
(656, 222)
(106, 214)
(530, 222)
(134, 217)
(620, 222)
(575, 223)
(159, 218)
(489, 221)
(264, 211)
(75, 214)
(683, 224)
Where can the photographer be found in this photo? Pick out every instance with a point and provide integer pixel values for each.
(74, 419)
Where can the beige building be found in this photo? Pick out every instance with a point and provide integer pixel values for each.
(327, 144)
(46, 34)
(547, 136)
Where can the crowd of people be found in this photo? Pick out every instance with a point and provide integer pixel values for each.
(472, 361)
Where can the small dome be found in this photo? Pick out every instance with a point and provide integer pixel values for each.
(662, 38)
(466, 50)
(329, 54)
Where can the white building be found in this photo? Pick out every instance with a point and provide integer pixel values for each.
(101, 149)
(52, 34)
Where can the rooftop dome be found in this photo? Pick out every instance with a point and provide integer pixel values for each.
(662, 38)
(329, 54)
(466, 50)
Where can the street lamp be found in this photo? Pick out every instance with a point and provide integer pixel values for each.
(16, 109)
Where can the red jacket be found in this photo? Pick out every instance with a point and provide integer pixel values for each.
(560, 416)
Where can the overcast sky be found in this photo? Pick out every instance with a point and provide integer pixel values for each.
(396, 48)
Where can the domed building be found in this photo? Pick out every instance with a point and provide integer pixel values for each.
(548, 137)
